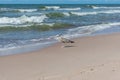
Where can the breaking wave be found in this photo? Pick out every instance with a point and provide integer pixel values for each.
(52, 7)
(95, 7)
(85, 30)
(16, 10)
(27, 10)
(22, 20)
(58, 8)
(86, 13)
(69, 9)
(96, 12)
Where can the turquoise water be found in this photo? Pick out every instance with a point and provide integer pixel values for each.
(29, 27)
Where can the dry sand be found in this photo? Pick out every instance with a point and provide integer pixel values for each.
(90, 58)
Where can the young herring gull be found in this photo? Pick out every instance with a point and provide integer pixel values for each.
(64, 40)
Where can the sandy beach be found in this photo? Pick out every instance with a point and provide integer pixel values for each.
(89, 58)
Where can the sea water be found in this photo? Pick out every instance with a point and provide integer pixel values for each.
(18, 31)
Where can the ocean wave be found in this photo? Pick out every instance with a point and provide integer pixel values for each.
(87, 30)
(36, 27)
(52, 7)
(70, 9)
(95, 7)
(102, 7)
(57, 14)
(26, 10)
(58, 8)
(5, 9)
(96, 12)
(66, 13)
(22, 20)
(83, 13)
(16, 10)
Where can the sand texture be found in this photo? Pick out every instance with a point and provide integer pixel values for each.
(89, 58)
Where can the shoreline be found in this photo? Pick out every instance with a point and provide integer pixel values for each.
(24, 49)
(57, 43)
(90, 58)
(33, 48)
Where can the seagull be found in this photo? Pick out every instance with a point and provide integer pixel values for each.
(64, 40)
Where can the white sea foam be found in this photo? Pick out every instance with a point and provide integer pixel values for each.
(52, 7)
(17, 10)
(70, 9)
(95, 12)
(49, 24)
(66, 14)
(58, 8)
(110, 11)
(83, 13)
(95, 7)
(26, 10)
(22, 20)
(4, 9)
